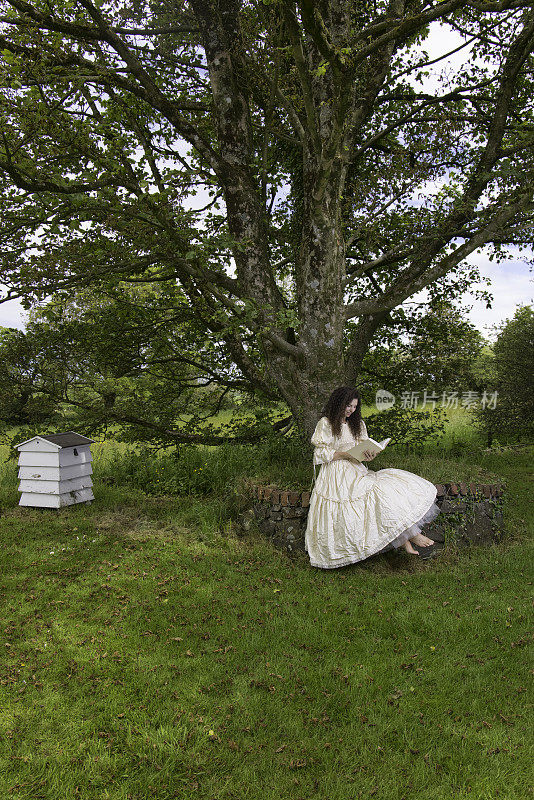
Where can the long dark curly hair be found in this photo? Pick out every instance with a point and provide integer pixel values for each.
(335, 407)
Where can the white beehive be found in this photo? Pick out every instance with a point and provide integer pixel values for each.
(55, 470)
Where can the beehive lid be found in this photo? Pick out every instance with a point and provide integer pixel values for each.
(60, 440)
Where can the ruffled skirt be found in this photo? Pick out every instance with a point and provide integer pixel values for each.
(355, 513)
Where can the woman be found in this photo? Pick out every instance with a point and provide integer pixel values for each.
(355, 512)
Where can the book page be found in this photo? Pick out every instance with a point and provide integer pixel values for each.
(365, 445)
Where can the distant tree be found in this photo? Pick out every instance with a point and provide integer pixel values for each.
(483, 368)
(513, 368)
(433, 349)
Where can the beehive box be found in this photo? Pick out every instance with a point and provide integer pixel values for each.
(55, 470)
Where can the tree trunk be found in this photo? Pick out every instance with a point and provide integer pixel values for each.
(319, 289)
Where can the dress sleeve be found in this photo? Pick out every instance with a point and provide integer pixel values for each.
(323, 441)
(363, 431)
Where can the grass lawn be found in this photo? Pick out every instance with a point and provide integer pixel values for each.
(148, 652)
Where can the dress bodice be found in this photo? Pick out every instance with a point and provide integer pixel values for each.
(326, 443)
(346, 437)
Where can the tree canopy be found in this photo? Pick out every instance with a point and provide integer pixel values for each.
(272, 178)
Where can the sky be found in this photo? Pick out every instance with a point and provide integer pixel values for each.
(511, 285)
(511, 282)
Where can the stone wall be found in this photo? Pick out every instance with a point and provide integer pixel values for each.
(470, 513)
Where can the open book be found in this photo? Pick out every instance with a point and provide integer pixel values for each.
(367, 444)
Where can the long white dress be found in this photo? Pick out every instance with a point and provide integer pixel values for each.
(356, 512)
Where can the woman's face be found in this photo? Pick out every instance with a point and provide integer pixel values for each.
(353, 405)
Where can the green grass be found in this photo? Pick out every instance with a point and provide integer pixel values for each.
(134, 627)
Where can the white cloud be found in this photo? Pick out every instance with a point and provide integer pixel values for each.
(511, 285)
(12, 315)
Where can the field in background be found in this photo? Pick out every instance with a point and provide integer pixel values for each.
(149, 653)
(201, 471)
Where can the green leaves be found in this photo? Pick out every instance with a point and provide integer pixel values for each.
(111, 163)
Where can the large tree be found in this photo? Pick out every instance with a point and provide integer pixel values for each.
(333, 186)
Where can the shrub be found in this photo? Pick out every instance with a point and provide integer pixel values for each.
(407, 426)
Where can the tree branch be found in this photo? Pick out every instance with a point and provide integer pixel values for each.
(418, 274)
(409, 283)
(400, 28)
(175, 435)
(312, 129)
(315, 27)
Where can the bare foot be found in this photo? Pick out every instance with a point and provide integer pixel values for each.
(421, 541)
(409, 549)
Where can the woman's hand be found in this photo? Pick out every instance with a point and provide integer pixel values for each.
(339, 455)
